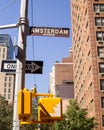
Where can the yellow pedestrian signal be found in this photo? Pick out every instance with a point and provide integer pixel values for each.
(49, 109)
(24, 104)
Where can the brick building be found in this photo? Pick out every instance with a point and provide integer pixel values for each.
(88, 56)
(61, 80)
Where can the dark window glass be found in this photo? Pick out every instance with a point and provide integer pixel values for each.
(102, 102)
(4, 90)
(103, 120)
(102, 84)
(8, 96)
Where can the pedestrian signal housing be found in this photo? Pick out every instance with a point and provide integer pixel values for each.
(49, 109)
(24, 104)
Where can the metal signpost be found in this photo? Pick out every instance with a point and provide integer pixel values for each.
(20, 70)
(21, 64)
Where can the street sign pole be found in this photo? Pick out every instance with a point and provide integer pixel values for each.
(20, 71)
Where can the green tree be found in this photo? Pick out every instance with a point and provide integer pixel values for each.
(6, 114)
(75, 118)
(45, 126)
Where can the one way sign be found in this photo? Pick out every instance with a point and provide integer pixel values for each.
(31, 66)
(34, 67)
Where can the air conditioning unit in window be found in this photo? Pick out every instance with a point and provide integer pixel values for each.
(102, 74)
(103, 110)
(102, 91)
(101, 56)
(100, 40)
(97, 12)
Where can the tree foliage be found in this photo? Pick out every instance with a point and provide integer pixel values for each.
(75, 118)
(6, 114)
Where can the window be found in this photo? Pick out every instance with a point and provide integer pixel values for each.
(9, 78)
(5, 96)
(98, 8)
(100, 36)
(87, 39)
(5, 78)
(99, 21)
(101, 67)
(5, 84)
(102, 8)
(91, 88)
(3, 49)
(90, 71)
(101, 52)
(4, 90)
(8, 96)
(3, 56)
(9, 84)
(9, 90)
(102, 102)
(102, 21)
(103, 120)
(102, 84)
(92, 105)
(87, 24)
(86, 12)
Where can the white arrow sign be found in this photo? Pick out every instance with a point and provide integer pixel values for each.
(32, 67)
(10, 66)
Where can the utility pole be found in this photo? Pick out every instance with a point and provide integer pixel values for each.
(20, 70)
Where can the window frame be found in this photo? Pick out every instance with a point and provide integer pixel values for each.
(100, 36)
(98, 8)
(101, 70)
(99, 21)
(100, 51)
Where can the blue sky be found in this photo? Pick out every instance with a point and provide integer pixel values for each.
(46, 13)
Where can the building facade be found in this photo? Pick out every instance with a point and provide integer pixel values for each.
(61, 81)
(6, 79)
(88, 56)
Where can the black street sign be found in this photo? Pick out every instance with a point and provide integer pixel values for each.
(31, 66)
(34, 67)
(49, 31)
